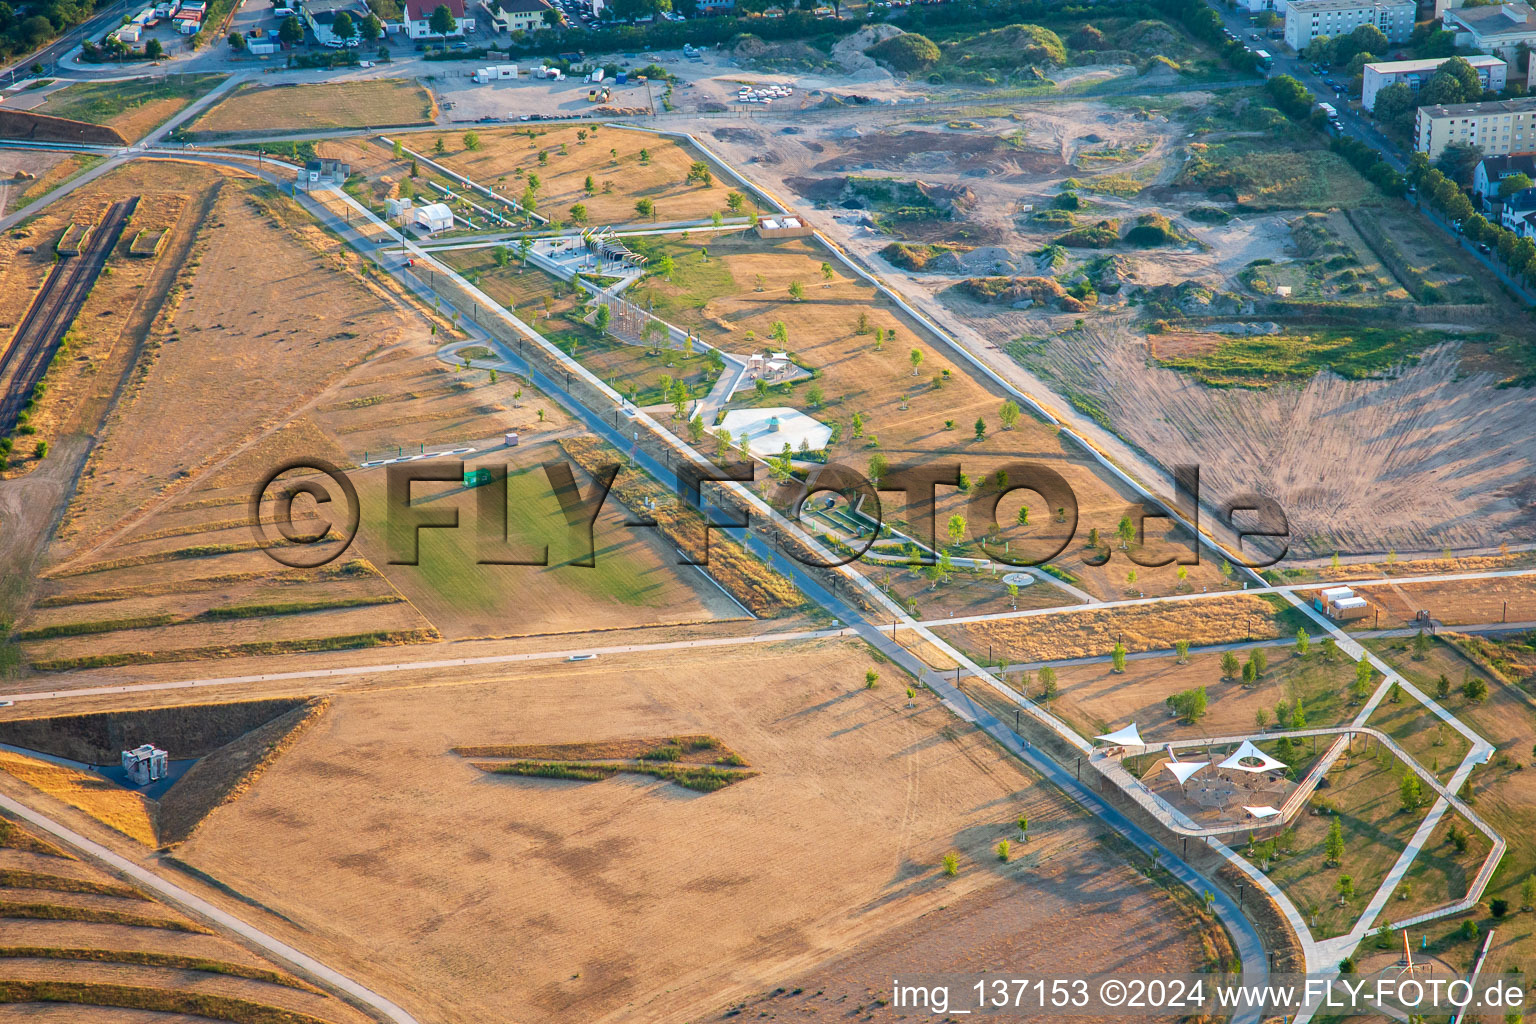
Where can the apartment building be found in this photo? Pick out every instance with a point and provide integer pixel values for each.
(1305, 20)
(1499, 128)
(1491, 71)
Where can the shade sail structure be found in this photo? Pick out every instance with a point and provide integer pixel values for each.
(1127, 736)
(1182, 770)
(1260, 761)
(1262, 812)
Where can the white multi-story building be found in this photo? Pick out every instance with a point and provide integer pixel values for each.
(1499, 30)
(1491, 71)
(1305, 20)
(1497, 128)
(416, 19)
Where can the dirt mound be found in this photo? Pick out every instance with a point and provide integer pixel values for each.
(23, 124)
(186, 731)
(229, 771)
(949, 152)
(1020, 292)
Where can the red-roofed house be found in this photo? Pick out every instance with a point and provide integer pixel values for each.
(416, 18)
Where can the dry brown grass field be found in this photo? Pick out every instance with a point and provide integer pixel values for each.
(1118, 923)
(610, 156)
(1455, 603)
(704, 897)
(964, 593)
(1094, 698)
(256, 109)
(94, 940)
(1093, 631)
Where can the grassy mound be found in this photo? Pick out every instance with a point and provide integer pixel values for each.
(908, 53)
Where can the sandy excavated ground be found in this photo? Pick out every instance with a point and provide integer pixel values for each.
(632, 899)
(1433, 457)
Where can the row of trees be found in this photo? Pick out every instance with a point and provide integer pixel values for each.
(1442, 194)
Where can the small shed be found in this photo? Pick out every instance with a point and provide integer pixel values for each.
(432, 218)
(1348, 608)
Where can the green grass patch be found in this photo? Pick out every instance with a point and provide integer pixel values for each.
(1356, 353)
(96, 626)
(1262, 177)
(92, 915)
(14, 837)
(260, 611)
(700, 778)
(126, 956)
(102, 102)
(380, 638)
(238, 1011)
(59, 883)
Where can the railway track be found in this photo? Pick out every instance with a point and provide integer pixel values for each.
(37, 338)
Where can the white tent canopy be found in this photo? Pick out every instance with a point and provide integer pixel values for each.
(1182, 770)
(1262, 812)
(1124, 737)
(1249, 752)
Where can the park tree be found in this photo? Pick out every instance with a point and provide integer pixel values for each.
(1230, 666)
(603, 318)
(1410, 792)
(879, 465)
(981, 426)
(342, 25)
(1009, 414)
(1475, 689)
(1362, 684)
(1181, 648)
(501, 255)
(1048, 682)
(1261, 719)
(1528, 892)
(1334, 845)
(1189, 705)
(579, 213)
(734, 201)
(1126, 531)
(645, 208)
(797, 291)
(472, 141)
(956, 529)
(1117, 656)
(915, 357)
(1303, 642)
(696, 428)
(699, 173)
